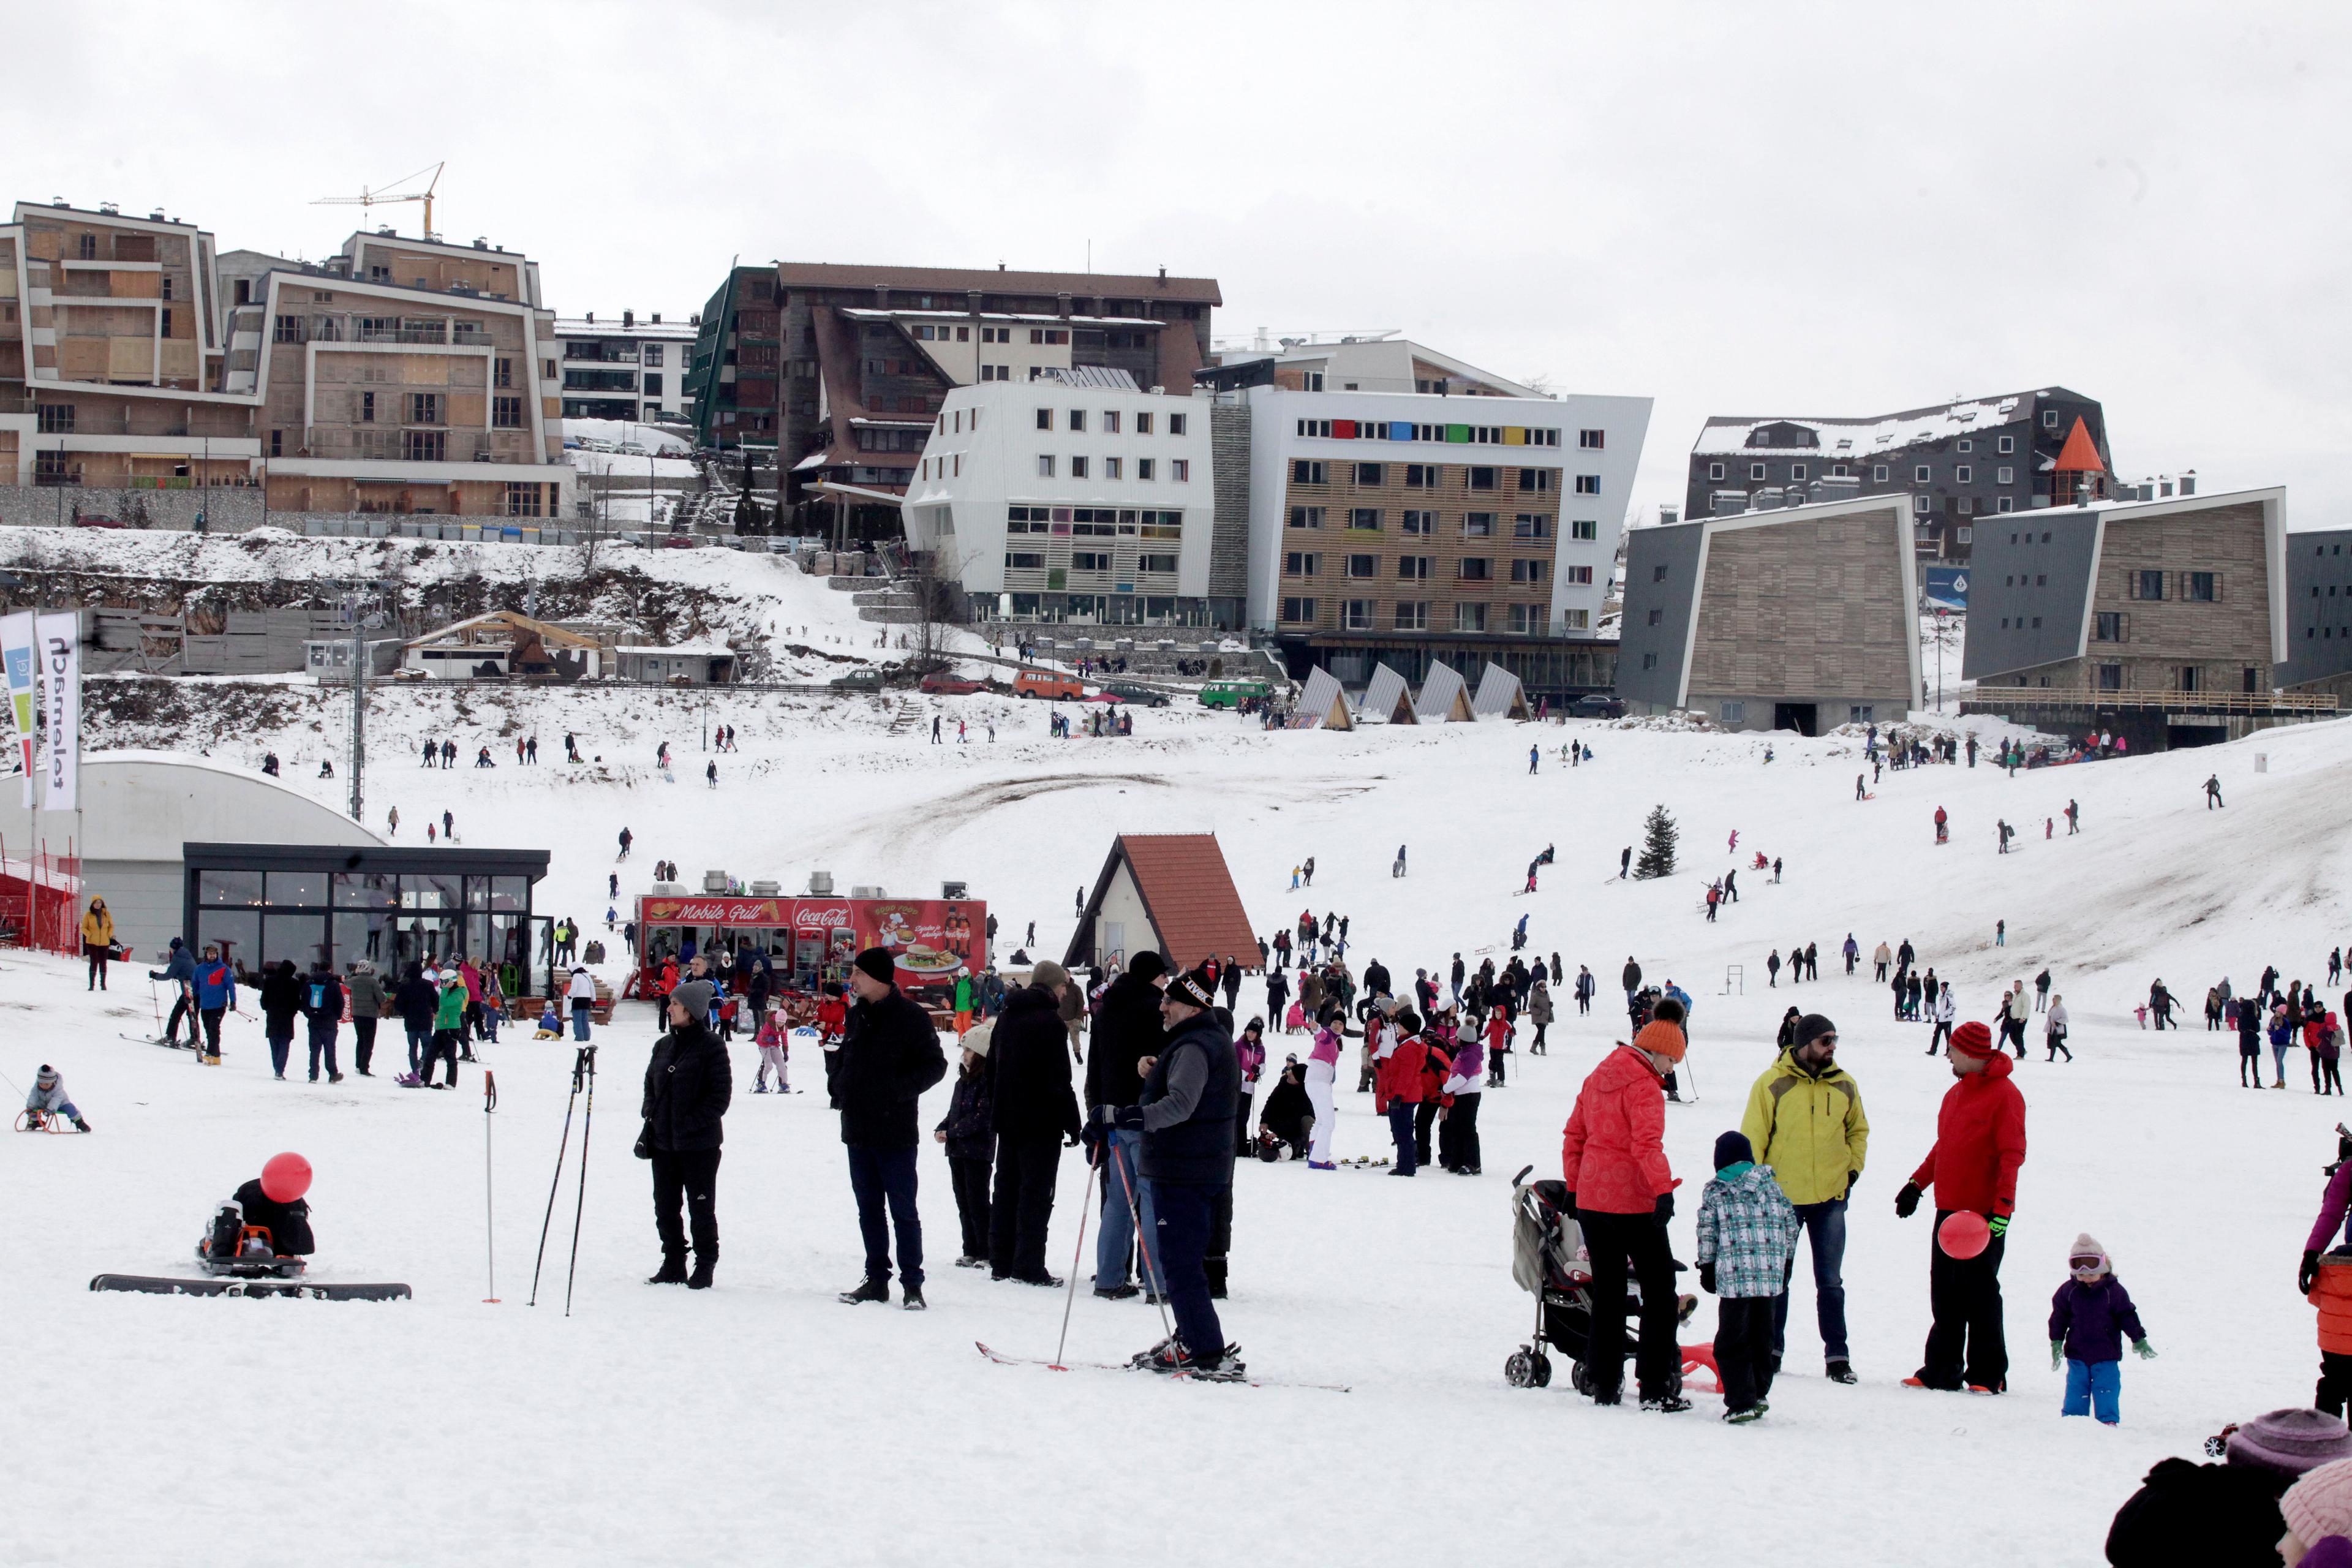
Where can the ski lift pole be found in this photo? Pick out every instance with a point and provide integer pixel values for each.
(490, 1207)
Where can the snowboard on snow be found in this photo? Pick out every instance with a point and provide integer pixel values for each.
(312, 1290)
(1000, 1359)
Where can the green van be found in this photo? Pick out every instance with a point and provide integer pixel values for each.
(1230, 693)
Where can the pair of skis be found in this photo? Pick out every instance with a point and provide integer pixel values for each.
(1000, 1359)
(308, 1289)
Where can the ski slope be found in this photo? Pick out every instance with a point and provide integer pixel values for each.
(764, 1419)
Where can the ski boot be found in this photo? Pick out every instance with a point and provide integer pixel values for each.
(870, 1290)
(1168, 1357)
(1666, 1403)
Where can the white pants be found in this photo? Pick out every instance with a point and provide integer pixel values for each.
(1318, 1095)
(773, 1057)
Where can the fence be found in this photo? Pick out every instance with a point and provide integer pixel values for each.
(40, 901)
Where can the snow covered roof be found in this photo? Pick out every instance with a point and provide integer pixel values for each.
(1102, 378)
(684, 650)
(866, 313)
(1188, 895)
(1727, 436)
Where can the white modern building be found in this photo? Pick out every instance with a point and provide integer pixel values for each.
(627, 367)
(1075, 497)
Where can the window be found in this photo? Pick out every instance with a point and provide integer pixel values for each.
(652, 354)
(1967, 445)
(1421, 476)
(367, 407)
(1576, 573)
(2203, 587)
(1530, 525)
(1474, 569)
(506, 412)
(1355, 614)
(277, 443)
(1301, 563)
(1412, 616)
(288, 329)
(524, 499)
(1524, 620)
(1155, 563)
(1733, 712)
(1922, 474)
(1755, 470)
(1482, 478)
(1370, 473)
(1306, 517)
(1048, 335)
(1420, 522)
(1649, 661)
(1365, 517)
(1538, 480)
(1584, 527)
(1657, 616)
(1143, 424)
(1023, 560)
(423, 446)
(166, 328)
(1077, 418)
(56, 418)
(1078, 468)
(1964, 535)
(502, 372)
(1796, 470)
(1299, 612)
(1110, 421)
(1469, 617)
(1839, 471)
(1960, 475)
(2111, 677)
(1363, 565)
(1179, 470)
(2147, 584)
(1176, 424)
(1044, 419)
(1111, 468)
(1576, 620)
(1305, 471)
(2005, 476)
(1413, 568)
(1090, 560)
(1529, 571)
(1657, 573)
(2005, 503)
(1861, 712)
(1715, 470)
(653, 386)
(2005, 445)
(1143, 467)
(2188, 677)
(1878, 473)
(1045, 466)
(1965, 505)
(425, 408)
(2049, 419)
(1591, 440)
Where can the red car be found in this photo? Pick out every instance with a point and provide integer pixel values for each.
(942, 682)
(91, 520)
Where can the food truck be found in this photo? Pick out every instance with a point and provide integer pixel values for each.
(812, 940)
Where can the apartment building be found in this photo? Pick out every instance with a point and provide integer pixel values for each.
(1409, 528)
(1361, 362)
(844, 367)
(399, 375)
(1957, 462)
(1795, 618)
(2319, 611)
(1076, 496)
(627, 367)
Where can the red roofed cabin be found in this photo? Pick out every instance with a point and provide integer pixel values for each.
(1168, 892)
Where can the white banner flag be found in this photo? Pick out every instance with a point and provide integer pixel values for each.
(17, 658)
(59, 641)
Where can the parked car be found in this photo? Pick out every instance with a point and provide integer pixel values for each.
(868, 680)
(1047, 684)
(1230, 693)
(1596, 706)
(946, 682)
(1142, 696)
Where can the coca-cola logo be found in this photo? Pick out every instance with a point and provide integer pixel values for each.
(816, 920)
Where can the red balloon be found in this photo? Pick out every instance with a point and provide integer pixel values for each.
(1963, 1234)
(288, 1177)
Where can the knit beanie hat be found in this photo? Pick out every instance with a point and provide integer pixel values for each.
(1668, 1011)
(695, 997)
(47, 1077)
(1972, 1039)
(876, 963)
(2320, 1504)
(1194, 988)
(2290, 1441)
(1147, 964)
(2088, 1246)
(1813, 1027)
(1661, 1039)
(977, 1038)
(1048, 974)
(1733, 1149)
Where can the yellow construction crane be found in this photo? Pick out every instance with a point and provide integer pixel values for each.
(367, 198)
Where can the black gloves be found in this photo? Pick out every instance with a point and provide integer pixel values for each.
(1665, 1208)
(1851, 1177)
(1130, 1118)
(1568, 1206)
(2308, 1274)
(1707, 1278)
(1907, 1202)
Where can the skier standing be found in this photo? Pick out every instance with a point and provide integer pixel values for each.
(1972, 1165)
(180, 971)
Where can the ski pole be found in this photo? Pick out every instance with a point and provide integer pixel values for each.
(579, 1207)
(1149, 1269)
(1086, 1201)
(490, 1207)
(555, 1185)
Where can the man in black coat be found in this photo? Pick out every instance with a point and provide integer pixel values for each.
(1184, 1116)
(1033, 1112)
(688, 1086)
(1376, 979)
(888, 1057)
(1127, 1033)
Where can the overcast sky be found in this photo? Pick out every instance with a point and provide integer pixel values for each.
(1732, 208)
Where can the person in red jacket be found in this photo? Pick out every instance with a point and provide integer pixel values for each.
(1397, 1059)
(1980, 1144)
(1621, 1191)
(1437, 1065)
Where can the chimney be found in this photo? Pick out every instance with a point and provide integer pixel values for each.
(591, 317)
(999, 266)
(628, 320)
(971, 300)
(656, 318)
(2188, 482)
(1062, 303)
(1163, 275)
(881, 296)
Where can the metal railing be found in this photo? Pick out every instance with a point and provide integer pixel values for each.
(402, 335)
(2246, 703)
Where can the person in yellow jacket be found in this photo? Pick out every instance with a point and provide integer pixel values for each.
(1805, 1120)
(98, 941)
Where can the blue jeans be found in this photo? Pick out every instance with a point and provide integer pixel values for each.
(279, 1045)
(1184, 1242)
(322, 1037)
(1400, 1129)
(1826, 1222)
(1115, 1238)
(2094, 1384)
(880, 1177)
(579, 1023)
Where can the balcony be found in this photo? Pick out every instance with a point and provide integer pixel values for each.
(407, 335)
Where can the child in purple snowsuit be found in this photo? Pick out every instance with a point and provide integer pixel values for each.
(2090, 1318)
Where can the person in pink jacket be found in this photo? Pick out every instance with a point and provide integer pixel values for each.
(1322, 1067)
(1622, 1192)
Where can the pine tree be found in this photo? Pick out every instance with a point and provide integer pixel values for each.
(1659, 838)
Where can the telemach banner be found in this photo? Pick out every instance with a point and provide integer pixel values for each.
(17, 657)
(58, 638)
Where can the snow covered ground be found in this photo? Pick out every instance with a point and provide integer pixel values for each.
(765, 1419)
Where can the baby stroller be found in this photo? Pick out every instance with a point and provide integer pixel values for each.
(1549, 1260)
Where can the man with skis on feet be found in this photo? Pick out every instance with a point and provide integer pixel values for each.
(687, 1087)
(1972, 1166)
(1805, 1122)
(1621, 1191)
(888, 1057)
(1192, 1090)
